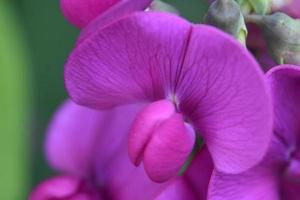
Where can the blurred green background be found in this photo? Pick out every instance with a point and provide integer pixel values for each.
(34, 44)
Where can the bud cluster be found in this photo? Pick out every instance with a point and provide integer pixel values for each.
(280, 32)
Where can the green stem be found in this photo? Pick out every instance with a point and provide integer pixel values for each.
(14, 106)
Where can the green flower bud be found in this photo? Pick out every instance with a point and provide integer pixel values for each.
(226, 15)
(282, 34)
(255, 6)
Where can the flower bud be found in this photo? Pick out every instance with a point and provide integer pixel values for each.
(282, 34)
(255, 6)
(226, 15)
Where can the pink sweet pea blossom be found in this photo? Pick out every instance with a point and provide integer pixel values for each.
(81, 12)
(89, 149)
(92, 15)
(277, 176)
(195, 79)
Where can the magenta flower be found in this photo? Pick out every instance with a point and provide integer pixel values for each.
(277, 176)
(196, 79)
(89, 149)
(92, 15)
(81, 12)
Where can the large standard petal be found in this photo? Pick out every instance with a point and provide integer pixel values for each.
(81, 12)
(261, 182)
(285, 83)
(134, 59)
(224, 93)
(215, 81)
(81, 141)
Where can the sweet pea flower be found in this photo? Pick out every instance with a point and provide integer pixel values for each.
(197, 81)
(88, 148)
(81, 12)
(277, 176)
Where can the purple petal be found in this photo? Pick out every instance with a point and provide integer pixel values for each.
(255, 39)
(290, 190)
(121, 9)
(264, 59)
(168, 149)
(199, 173)
(81, 140)
(81, 12)
(215, 81)
(133, 183)
(285, 82)
(178, 190)
(125, 181)
(143, 56)
(194, 183)
(225, 95)
(144, 126)
(247, 186)
(161, 139)
(261, 182)
(64, 187)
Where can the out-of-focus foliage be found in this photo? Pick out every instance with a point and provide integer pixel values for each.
(14, 107)
(50, 40)
(194, 10)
